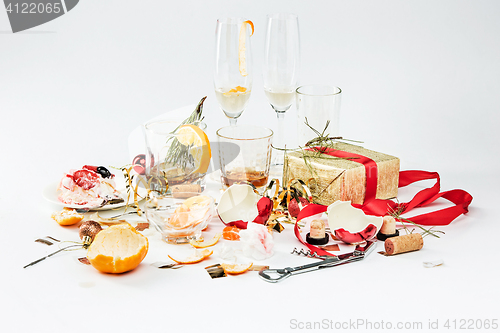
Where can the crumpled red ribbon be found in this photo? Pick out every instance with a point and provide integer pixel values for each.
(381, 207)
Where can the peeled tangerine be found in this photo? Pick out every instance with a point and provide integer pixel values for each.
(118, 249)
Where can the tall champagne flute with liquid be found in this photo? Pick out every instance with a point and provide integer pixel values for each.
(281, 69)
(233, 66)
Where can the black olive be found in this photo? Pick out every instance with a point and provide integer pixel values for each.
(103, 172)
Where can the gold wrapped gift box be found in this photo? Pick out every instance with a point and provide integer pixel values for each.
(331, 179)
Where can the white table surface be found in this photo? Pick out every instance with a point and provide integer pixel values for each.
(420, 81)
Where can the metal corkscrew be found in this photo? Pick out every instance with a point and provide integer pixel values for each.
(276, 275)
(307, 253)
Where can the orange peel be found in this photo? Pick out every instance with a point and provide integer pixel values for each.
(242, 47)
(250, 23)
(236, 90)
(236, 268)
(67, 216)
(197, 257)
(208, 243)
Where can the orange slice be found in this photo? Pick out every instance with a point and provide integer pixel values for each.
(236, 268)
(203, 244)
(231, 233)
(194, 137)
(242, 47)
(197, 257)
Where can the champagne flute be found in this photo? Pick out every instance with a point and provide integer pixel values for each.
(233, 66)
(281, 69)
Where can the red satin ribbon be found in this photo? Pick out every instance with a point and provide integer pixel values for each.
(379, 207)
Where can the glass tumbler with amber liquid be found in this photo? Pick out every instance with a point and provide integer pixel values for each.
(245, 154)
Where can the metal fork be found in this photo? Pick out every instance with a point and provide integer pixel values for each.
(85, 210)
(120, 215)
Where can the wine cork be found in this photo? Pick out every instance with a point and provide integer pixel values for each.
(185, 191)
(389, 226)
(317, 234)
(317, 229)
(402, 244)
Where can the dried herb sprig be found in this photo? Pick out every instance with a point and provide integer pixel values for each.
(322, 140)
(179, 154)
(396, 213)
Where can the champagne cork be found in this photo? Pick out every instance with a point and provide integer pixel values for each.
(389, 226)
(317, 229)
(317, 234)
(402, 244)
(185, 191)
(388, 229)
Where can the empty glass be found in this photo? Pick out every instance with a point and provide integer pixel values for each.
(318, 104)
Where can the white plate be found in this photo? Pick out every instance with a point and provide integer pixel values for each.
(51, 194)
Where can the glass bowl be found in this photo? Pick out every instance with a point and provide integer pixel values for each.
(180, 217)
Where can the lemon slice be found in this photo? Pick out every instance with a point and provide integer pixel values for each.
(236, 268)
(193, 136)
(212, 242)
(242, 47)
(197, 257)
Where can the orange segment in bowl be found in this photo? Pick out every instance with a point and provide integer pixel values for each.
(190, 213)
(236, 268)
(203, 244)
(197, 257)
(242, 47)
(194, 137)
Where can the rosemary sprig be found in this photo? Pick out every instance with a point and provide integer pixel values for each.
(179, 154)
(322, 140)
(397, 215)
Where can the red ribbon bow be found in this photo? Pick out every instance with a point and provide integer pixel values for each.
(380, 207)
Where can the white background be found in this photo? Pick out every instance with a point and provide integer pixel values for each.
(420, 81)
